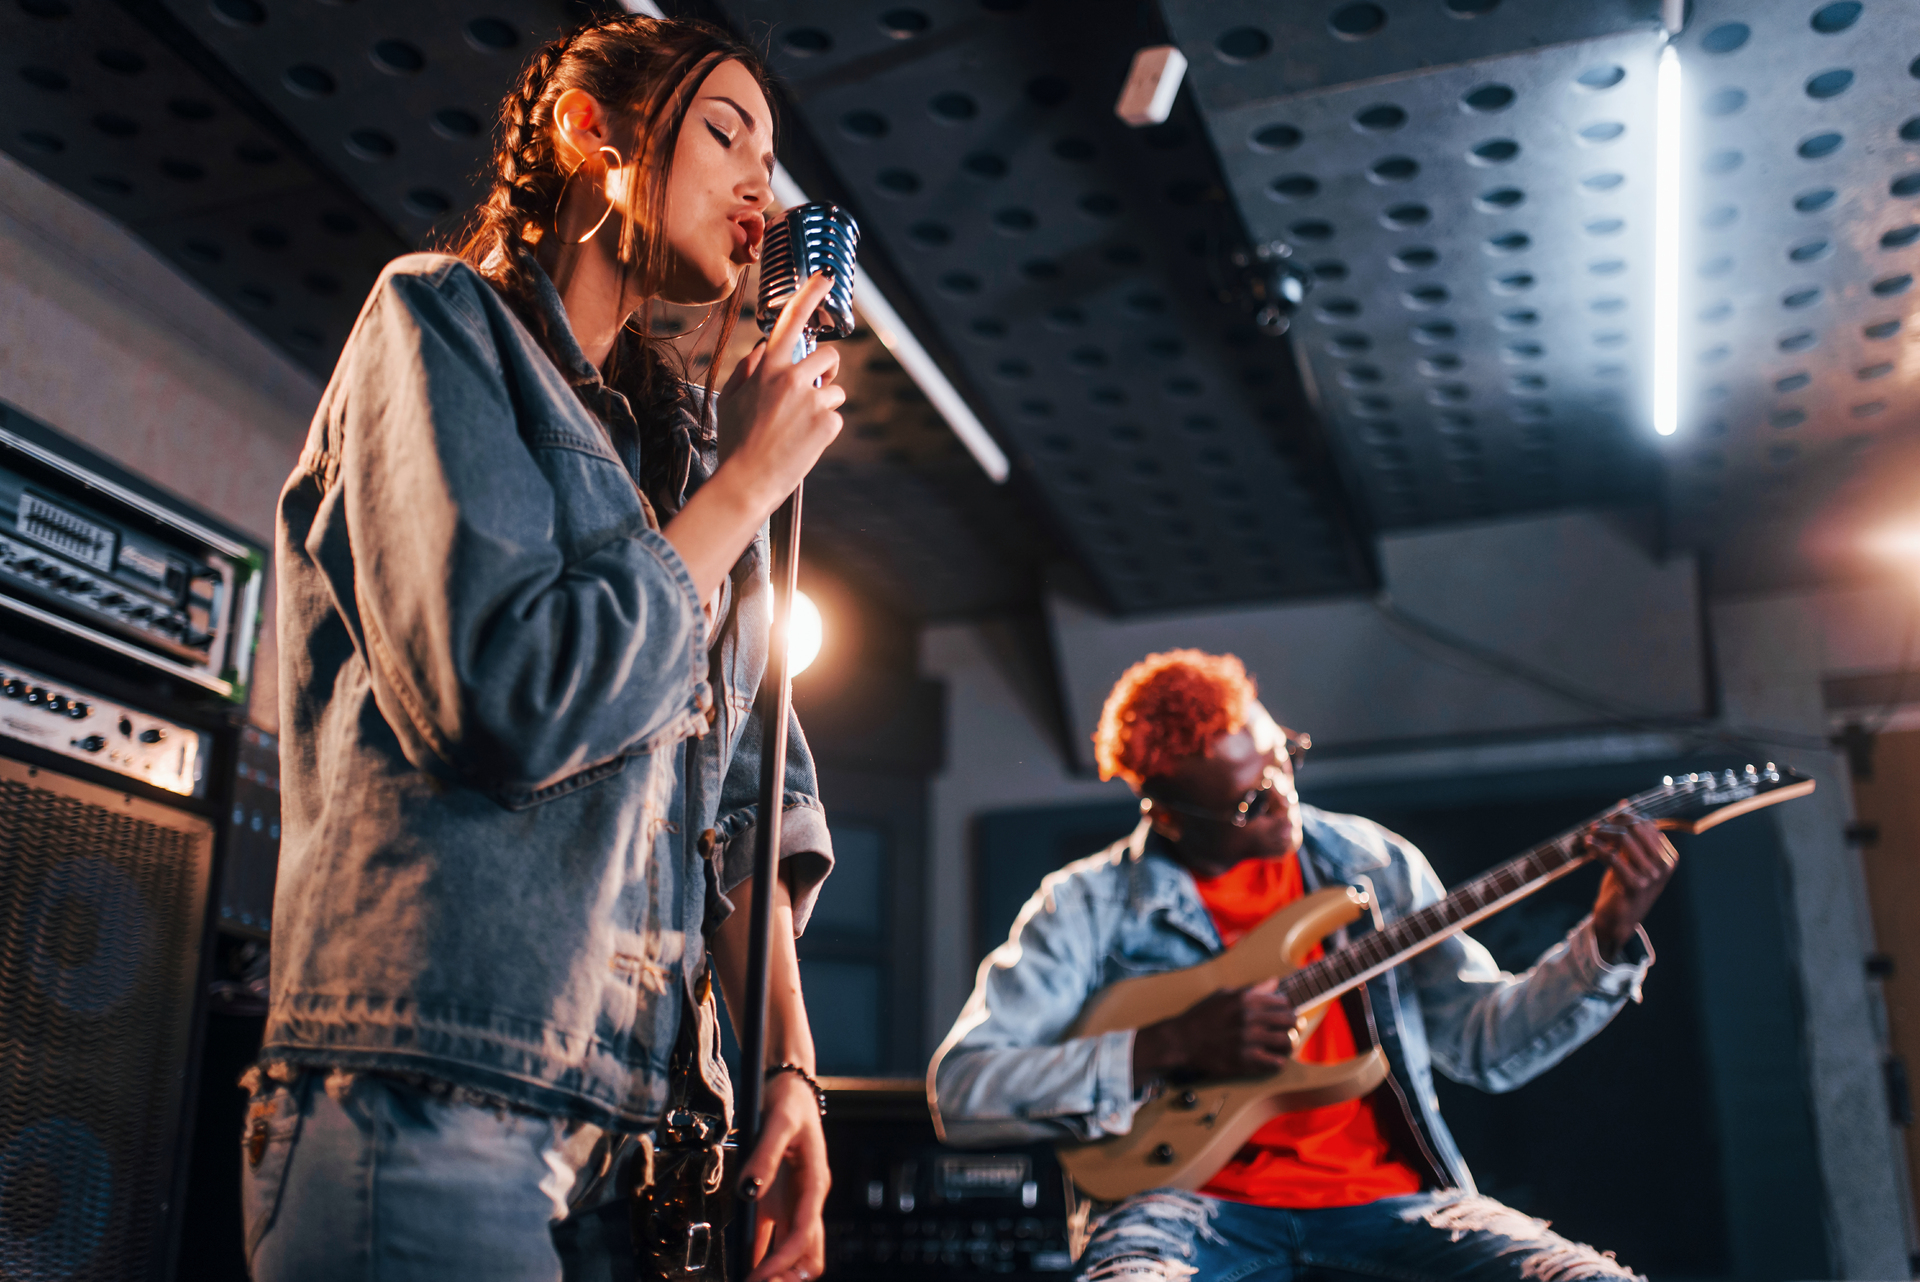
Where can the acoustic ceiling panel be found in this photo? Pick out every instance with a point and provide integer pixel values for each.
(1802, 244)
(399, 98)
(1244, 52)
(1481, 241)
(1068, 263)
(1476, 176)
(103, 104)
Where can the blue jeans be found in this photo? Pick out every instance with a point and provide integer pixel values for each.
(363, 1177)
(1168, 1235)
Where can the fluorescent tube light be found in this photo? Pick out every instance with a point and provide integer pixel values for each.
(1666, 245)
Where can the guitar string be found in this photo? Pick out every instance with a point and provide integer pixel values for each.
(1319, 977)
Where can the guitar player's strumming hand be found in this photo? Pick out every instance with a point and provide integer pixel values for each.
(1640, 863)
(1241, 1032)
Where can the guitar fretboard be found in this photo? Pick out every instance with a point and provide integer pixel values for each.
(1383, 949)
(1693, 798)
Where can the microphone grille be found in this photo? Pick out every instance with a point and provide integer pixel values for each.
(807, 239)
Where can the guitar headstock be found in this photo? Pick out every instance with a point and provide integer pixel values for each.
(1693, 803)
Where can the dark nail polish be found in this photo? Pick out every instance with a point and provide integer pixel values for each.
(750, 1189)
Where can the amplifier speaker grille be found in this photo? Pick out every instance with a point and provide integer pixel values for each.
(102, 898)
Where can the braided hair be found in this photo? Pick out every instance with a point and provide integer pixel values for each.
(648, 72)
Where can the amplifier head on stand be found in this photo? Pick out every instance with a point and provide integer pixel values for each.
(807, 239)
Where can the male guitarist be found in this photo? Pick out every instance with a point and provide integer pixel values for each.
(1370, 1188)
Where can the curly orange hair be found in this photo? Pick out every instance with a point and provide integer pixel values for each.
(1168, 707)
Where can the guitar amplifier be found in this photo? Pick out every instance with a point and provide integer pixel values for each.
(94, 559)
(102, 913)
(905, 1205)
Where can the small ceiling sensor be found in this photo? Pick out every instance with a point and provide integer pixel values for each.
(1152, 83)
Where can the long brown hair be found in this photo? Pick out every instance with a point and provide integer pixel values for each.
(647, 71)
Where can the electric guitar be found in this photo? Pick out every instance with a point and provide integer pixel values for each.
(1184, 1135)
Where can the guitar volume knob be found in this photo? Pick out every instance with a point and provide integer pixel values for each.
(1162, 1155)
(1189, 1100)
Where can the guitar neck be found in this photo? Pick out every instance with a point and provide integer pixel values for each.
(1347, 968)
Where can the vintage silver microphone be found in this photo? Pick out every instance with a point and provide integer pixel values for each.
(806, 239)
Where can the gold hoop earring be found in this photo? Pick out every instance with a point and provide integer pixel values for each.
(712, 311)
(559, 204)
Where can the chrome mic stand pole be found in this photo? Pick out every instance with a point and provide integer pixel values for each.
(775, 703)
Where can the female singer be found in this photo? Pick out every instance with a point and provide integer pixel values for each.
(523, 613)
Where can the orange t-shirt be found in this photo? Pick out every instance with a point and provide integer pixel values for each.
(1330, 1156)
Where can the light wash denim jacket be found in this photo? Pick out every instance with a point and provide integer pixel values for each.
(506, 723)
(1005, 1075)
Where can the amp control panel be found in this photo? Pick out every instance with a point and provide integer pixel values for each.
(62, 718)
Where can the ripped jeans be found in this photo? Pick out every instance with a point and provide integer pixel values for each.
(1168, 1236)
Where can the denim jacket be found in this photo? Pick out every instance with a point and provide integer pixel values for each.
(519, 765)
(1008, 1074)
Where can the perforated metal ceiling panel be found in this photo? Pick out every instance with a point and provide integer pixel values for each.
(104, 105)
(1481, 236)
(1063, 258)
(1481, 342)
(399, 98)
(1799, 358)
(1243, 52)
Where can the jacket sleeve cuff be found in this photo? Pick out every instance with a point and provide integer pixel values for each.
(1612, 980)
(806, 855)
(1114, 1099)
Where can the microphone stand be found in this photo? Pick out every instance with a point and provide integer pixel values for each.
(806, 237)
(775, 703)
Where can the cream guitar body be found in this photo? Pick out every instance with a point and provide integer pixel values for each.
(1182, 1136)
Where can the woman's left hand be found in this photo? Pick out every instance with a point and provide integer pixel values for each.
(788, 1170)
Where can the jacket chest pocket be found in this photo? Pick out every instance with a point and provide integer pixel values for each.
(595, 500)
(1148, 952)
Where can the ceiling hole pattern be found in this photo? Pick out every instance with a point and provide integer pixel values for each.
(1823, 242)
(1049, 248)
(1458, 394)
(403, 96)
(98, 104)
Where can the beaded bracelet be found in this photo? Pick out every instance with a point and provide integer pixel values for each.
(819, 1092)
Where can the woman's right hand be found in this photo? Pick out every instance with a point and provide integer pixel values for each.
(774, 423)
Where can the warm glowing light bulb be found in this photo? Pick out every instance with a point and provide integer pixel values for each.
(1901, 543)
(804, 633)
